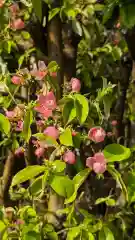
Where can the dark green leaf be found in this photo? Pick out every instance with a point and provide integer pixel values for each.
(53, 12)
(37, 5)
(27, 174)
(28, 119)
(116, 152)
(108, 11)
(127, 15)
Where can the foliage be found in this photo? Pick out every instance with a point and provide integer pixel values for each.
(76, 169)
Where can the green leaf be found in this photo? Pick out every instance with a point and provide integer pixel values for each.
(131, 186)
(101, 235)
(101, 200)
(66, 138)
(27, 174)
(52, 66)
(53, 12)
(59, 166)
(82, 107)
(90, 236)
(69, 112)
(62, 185)
(21, 60)
(108, 233)
(37, 5)
(116, 152)
(36, 187)
(73, 233)
(116, 53)
(50, 232)
(77, 27)
(86, 32)
(25, 35)
(4, 124)
(108, 11)
(32, 235)
(117, 176)
(78, 180)
(28, 119)
(3, 232)
(110, 202)
(71, 13)
(127, 15)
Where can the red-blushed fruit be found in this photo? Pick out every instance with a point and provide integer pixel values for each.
(53, 74)
(39, 152)
(52, 131)
(118, 25)
(17, 24)
(74, 133)
(114, 123)
(97, 163)
(69, 157)
(1, 3)
(75, 84)
(96, 134)
(17, 80)
(19, 151)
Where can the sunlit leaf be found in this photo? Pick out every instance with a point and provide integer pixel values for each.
(78, 180)
(116, 152)
(62, 185)
(4, 124)
(27, 174)
(66, 137)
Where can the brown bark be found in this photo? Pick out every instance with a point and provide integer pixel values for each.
(71, 41)
(55, 48)
(6, 180)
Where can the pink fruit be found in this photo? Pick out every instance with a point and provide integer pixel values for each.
(17, 24)
(17, 80)
(114, 122)
(20, 151)
(97, 134)
(39, 152)
(69, 157)
(52, 132)
(75, 84)
(97, 163)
